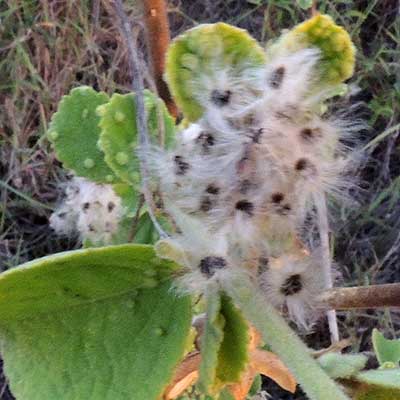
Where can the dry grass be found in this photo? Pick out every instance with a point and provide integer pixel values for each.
(47, 47)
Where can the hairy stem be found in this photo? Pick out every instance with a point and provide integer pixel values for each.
(359, 297)
(322, 212)
(141, 120)
(282, 340)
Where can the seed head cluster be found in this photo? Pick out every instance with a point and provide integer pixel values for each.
(93, 211)
(241, 181)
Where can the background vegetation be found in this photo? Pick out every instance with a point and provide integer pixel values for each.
(47, 47)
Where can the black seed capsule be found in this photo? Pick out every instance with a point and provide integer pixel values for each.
(292, 285)
(284, 209)
(209, 265)
(277, 77)
(61, 215)
(220, 98)
(110, 206)
(301, 164)
(181, 165)
(85, 206)
(206, 204)
(256, 135)
(245, 206)
(309, 134)
(277, 197)
(244, 186)
(212, 189)
(206, 140)
(263, 263)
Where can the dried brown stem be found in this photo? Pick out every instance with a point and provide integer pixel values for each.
(158, 38)
(360, 297)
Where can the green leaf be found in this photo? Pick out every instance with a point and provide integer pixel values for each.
(118, 341)
(305, 4)
(387, 378)
(386, 350)
(74, 133)
(256, 385)
(119, 136)
(72, 278)
(195, 56)
(224, 345)
(378, 393)
(338, 365)
(337, 50)
(233, 353)
(211, 341)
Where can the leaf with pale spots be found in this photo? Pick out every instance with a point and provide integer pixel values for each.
(337, 57)
(195, 55)
(119, 137)
(74, 133)
(93, 323)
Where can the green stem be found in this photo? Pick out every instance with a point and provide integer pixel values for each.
(282, 340)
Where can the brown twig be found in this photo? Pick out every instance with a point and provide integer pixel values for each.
(158, 38)
(141, 120)
(313, 9)
(360, 297)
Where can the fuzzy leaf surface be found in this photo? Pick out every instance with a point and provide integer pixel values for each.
(74, 133)
(338, 365)
(92, 324)
(386, 378)
(211, 341)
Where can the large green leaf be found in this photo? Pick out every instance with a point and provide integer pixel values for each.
(386, 350)
(195, 60)
(92, 324)
(74, 133)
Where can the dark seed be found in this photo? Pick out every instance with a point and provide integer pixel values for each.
(85, 206)
(61, 215)
(91, 228)
(277, 77)
(110, 206)
(220, 98)
(257, 135)
(301, 164)
(285, 209)
(209, 265)
(181, 165)
(206, 140)
(206, 204)
(292, 285)
(245, 206)
(277, 197)
(245, 186)
(212, 189)
(309, 134)
(263, 263)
